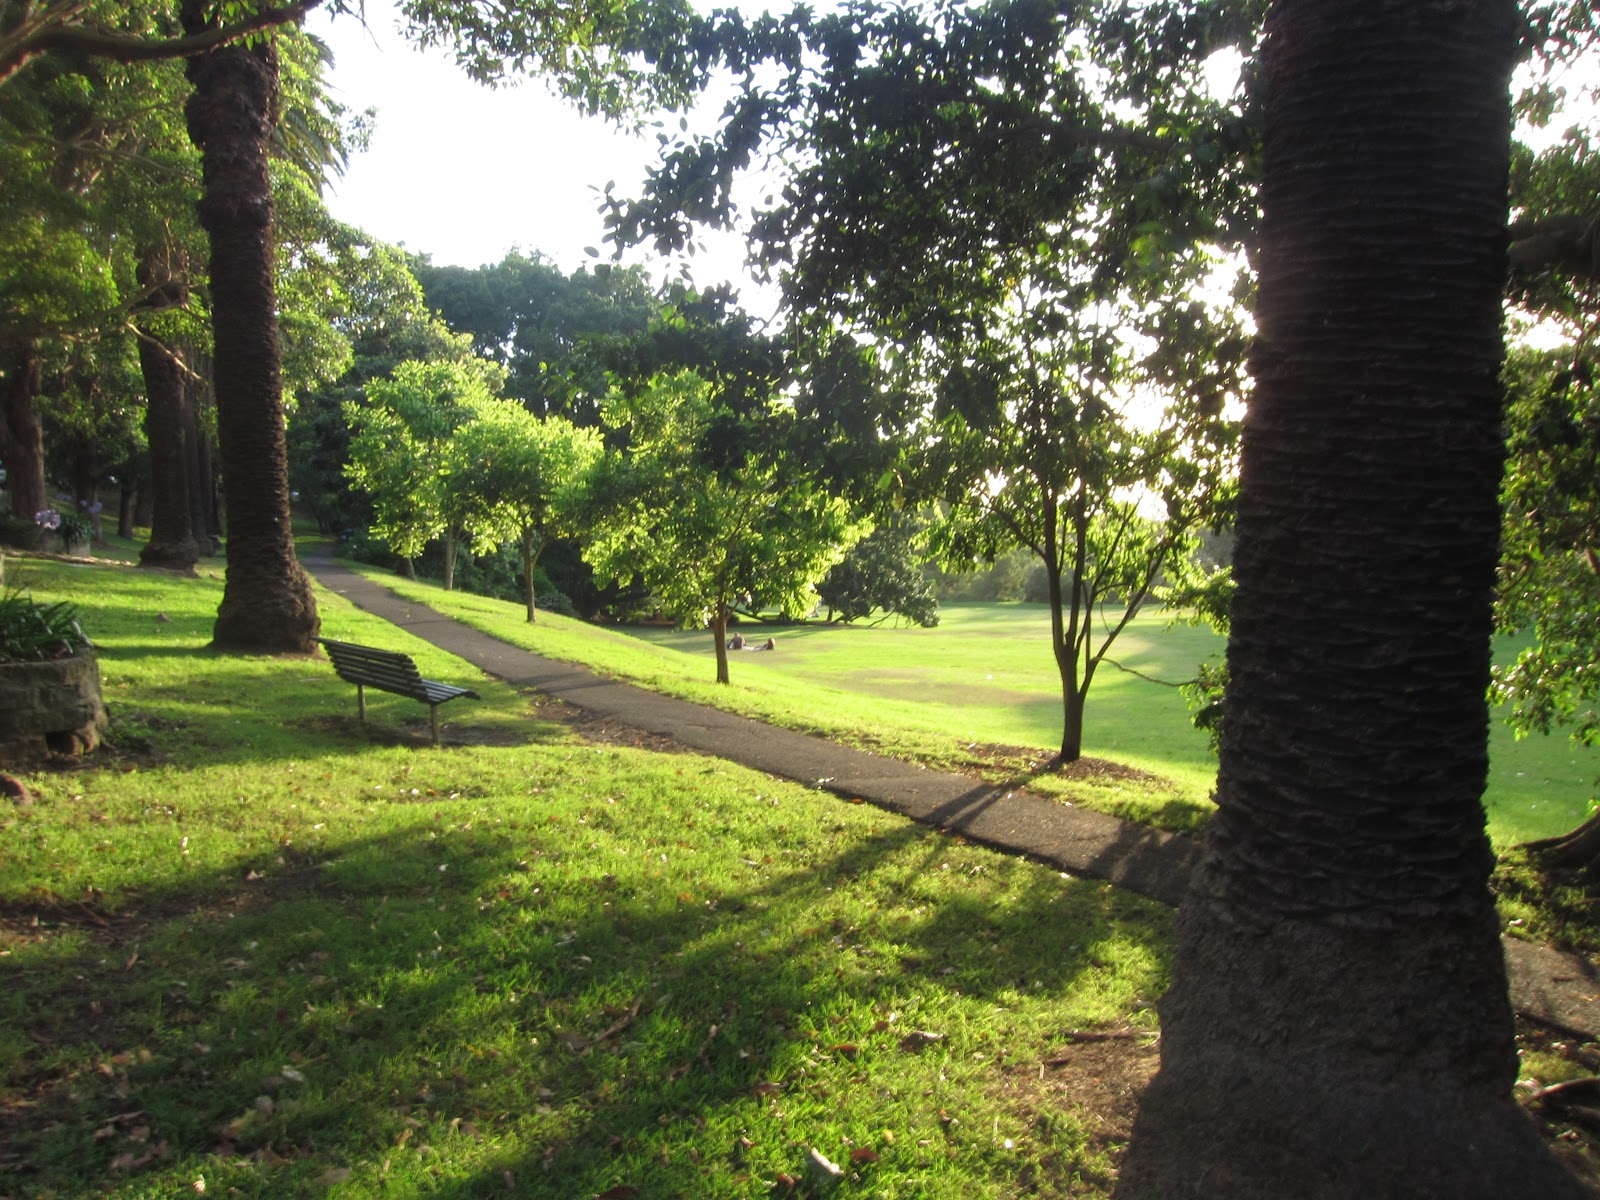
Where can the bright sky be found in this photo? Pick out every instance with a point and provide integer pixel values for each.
(464, 172)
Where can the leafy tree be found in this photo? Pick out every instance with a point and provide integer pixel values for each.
(607, 60)
(709, 519)
(400, 451)
(1550, 580)
(523, 479)
(1024, 234)
(1338, 1022)
(524, 314)
(1550, 573)
(881, 573)
(1035, 447)
(85, 154)
(385, 322)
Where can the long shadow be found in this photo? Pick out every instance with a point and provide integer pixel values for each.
(340, 1014)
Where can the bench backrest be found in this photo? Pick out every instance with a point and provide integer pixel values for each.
(386, 669)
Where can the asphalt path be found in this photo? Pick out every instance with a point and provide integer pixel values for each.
(1547, 985)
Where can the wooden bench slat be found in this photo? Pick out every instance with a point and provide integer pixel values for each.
(390, 671)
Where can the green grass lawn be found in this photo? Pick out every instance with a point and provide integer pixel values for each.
(262, 949)
(259, 949)
(985, 676)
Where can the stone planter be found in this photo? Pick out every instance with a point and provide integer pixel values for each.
(52, 706)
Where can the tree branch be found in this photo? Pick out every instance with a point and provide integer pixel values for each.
(1566, 241)
(23, 44)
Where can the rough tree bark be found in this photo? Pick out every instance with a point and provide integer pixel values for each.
(1338, 1025)
(172, 543)
(267, 604)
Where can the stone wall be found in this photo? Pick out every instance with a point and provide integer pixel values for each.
(50, 707)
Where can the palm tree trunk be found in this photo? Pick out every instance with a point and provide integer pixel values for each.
(1338, 1023)
(267, 605)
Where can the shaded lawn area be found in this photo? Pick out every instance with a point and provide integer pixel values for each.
(266, 947)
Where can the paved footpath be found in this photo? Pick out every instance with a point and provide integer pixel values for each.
(1546, 984)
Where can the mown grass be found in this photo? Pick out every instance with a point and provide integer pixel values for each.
(267, 948)
(985, 677)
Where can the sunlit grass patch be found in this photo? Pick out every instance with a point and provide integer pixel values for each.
(265, 947)
(980, 693)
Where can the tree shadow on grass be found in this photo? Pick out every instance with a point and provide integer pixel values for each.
(498, 1009)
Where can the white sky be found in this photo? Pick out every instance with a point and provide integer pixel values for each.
(465, 173)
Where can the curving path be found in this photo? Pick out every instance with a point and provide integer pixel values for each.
(1547, 985)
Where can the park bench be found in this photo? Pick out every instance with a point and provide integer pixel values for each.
(390, 671)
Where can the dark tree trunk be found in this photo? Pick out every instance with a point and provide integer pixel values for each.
(267, 604)
(1338, 1025)
(172, 543)
(1063, 634)
(719, 630)
(205, 516)
(532, 543)
(21, 435)
(126, 502)
(451, 545)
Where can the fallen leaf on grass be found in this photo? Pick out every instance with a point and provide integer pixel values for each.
(863, 1154)
(920, 1038)
(766, 1089)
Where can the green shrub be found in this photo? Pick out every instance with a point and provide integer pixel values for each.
(555, 602)
(33, 632)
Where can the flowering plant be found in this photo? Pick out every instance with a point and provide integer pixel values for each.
(74, 527)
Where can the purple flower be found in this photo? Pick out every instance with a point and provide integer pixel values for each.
(49, 518)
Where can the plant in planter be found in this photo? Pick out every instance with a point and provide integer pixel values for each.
(49, 681)
(75, 529)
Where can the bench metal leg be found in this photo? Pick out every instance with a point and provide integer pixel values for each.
(361, 701)
(433, 717)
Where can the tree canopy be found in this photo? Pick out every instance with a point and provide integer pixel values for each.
(710, 521)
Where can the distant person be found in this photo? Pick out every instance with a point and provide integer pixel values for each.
(736, 642)
(772, 644)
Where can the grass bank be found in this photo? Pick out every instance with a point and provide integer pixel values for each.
(983, 679)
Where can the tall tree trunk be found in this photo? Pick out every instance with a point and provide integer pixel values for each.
(205, 517)
(126, 500)
(21, 435)
(267, 604)
(1338, 1024)
(451, 545)
(532, 543)
(172, 541)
